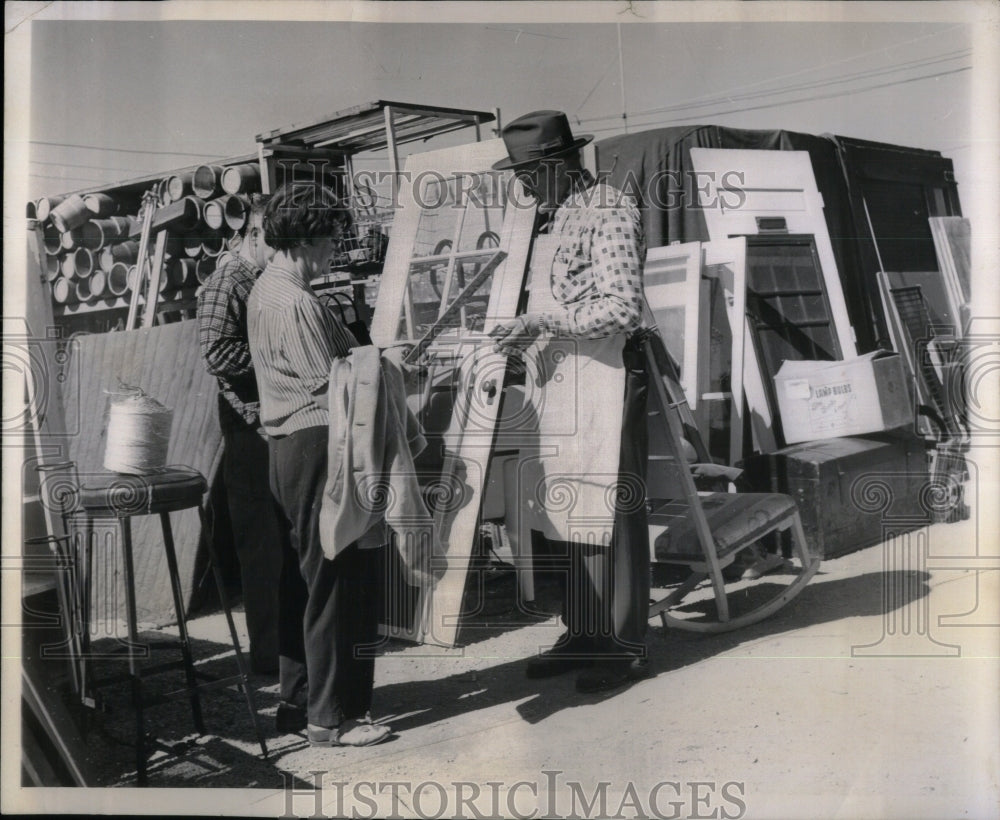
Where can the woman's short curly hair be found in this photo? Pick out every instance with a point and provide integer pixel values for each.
(300, 212)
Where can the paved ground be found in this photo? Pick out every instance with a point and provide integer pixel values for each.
(874, 694)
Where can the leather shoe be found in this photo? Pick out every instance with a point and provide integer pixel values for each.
(290, 718)
(564, 656)
(611, 674)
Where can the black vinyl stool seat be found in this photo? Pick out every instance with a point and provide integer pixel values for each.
(118, 495)
(121, 497)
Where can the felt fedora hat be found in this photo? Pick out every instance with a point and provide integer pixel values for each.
(538, 136)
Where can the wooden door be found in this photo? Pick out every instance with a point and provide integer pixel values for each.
(794, 295)
(751, 193)
(453, 216)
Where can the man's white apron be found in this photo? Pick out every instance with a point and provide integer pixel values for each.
(576, 387)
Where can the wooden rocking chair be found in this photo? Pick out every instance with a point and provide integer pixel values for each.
(707, 531)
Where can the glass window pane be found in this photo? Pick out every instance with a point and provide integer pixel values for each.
(459, 216)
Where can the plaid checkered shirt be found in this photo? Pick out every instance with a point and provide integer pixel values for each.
(222, 335)
(598, 266)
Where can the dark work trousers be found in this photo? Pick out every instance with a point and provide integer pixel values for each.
(330, 611)
(605, 590)
(257, 537)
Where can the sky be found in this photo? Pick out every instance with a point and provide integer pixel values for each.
(102, 92)
(150, 96)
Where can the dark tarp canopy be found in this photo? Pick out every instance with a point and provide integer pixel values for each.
(655, 166)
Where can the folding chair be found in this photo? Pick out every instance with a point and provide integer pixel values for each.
(706, 532)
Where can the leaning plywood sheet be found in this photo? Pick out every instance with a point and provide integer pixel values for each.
(165, 362)
(41, 352)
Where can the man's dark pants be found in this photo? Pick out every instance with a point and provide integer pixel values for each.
(256, 536)
(605, 590)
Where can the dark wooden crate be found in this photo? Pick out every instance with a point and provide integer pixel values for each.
(851, 492)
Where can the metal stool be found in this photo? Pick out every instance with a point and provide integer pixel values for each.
(120, 497)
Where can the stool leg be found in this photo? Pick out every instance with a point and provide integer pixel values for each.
(175, 586)
(84, 581)
(240, 662)
(135, 671)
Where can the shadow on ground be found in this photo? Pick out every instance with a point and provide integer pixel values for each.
(228, 754)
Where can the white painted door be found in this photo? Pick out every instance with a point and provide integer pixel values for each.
(771, 197)
(745, 193)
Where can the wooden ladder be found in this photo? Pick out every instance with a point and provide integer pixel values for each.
(152, 281)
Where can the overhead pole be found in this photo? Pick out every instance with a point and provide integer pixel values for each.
(621, 76)
(390, 138)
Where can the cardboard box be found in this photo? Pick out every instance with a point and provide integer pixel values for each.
(820, 400)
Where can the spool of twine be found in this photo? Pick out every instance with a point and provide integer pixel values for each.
(138, 433)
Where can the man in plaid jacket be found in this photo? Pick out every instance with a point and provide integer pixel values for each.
(222, 336)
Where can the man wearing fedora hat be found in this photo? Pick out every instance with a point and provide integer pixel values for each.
(579, 335)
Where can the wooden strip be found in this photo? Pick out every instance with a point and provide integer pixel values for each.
(446, 318)
(155, 274)
(149, 207)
